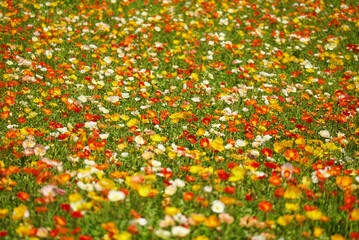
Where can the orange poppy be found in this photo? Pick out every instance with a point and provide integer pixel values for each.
(265, 206)
(10, 100)
(47, 111)
(206, 121)
(60, 220)
(41, 209)
(275, 180)
(23, 195)
(188, 196)
(5, 115)
(291, 155)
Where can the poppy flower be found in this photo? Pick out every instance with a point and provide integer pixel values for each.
(76, 214)
(267, 152)
(275, 180)
(354, 235)
(188, 196)
(206, 121)
(192, 139)
(204, 142)
(291, 154)
(60, 220)
(265, 206)
(229, 189)
(85, 237)
(23, 196)
(212, 221)
(287, 170)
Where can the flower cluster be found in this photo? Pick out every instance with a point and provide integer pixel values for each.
(203, 119)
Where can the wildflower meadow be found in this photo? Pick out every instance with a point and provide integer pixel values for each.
(179, 119)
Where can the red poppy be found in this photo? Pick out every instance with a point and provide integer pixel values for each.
(267, 152)
(76, 214)
(66, 207)
(249, 135)
(108, 153)
(21, 120)
(60, 220)
(10, 100)
(279, 192)
(155, 121)
(190, 178)
(188, 196)
(231, 165)
(255, 164)
(354, 235)
(232, 129)
(301, 127)
(265, 206)
(204, 142)
(230, 190)
(275, 180)
(53, 233)
(168, 174)
(270, 165)
(349, 200)
(307, 118)
(23, 195)
(248, 197)
(125, 191)
(291, 154)
(132, 229)
(206, 121)
(84, 237)
(309, 208)
(41, 209)
(192, 139)
(223, 175)
(5, 115)
(3, 233)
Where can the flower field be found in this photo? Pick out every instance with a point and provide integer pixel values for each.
(170, 119)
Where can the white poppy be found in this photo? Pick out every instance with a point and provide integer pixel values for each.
(115, 196)
(104, 135)
(180, 183)
(217, 206)
(324, 134)
(139, 140)
(208, 189)
(179, 231)
(240, 143)
(163, 234)
(171, 189)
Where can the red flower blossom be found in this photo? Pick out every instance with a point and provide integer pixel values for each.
(84, 237)
(223, 175)
(60, 220)
(192, 139)
(206, 121)
(76, 214)
(267, 152)
(3, 233)
(230, 190)
(354, 235)
(204, 142)
(23, 195)
(66, 207)
(248, 197)
(188, 196)
(270, 165)
(265, 206)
